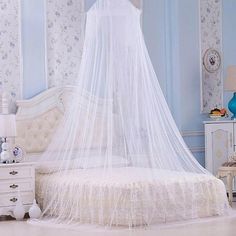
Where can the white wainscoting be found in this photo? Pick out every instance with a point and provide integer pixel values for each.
(193, 134)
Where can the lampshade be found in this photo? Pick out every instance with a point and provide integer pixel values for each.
(230, 82)
(7, 125)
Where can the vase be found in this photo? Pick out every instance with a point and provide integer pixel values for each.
(232, 106)
(34, 211)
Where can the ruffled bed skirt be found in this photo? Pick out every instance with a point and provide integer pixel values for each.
(126, 197)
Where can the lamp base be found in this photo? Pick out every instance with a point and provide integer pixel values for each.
(232, 106)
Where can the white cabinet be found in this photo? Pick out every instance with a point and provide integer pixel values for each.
(220, 139)
(14, 178)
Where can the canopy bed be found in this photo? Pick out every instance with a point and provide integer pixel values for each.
(190, 195)
(115, 155)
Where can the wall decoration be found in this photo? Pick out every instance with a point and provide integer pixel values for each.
(10, 50)
(212, 60)
(211, 41)
(65, 33)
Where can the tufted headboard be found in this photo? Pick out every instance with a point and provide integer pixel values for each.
(38, 117)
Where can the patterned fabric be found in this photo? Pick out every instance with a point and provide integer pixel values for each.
(211, 37)
(65, 33)
(34, 134)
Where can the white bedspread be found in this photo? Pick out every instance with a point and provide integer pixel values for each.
(129, 198)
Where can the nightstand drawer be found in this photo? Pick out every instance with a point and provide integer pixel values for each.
(16, 172)
(12, 198)
(23, 185)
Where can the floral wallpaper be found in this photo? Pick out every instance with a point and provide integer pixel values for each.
(211, 37)
(10, 67)
(65, 32)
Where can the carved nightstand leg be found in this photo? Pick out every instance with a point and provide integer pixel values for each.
(230, 187)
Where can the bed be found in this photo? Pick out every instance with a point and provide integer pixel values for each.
(38, 118)
(169, 190)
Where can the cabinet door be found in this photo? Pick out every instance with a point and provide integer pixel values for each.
(234, 137)
(219, 145)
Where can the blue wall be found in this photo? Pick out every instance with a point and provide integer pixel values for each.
(33, 47)
(155, 36)
(229, 39)
(171, 30)
(89, 3)
(190, 74)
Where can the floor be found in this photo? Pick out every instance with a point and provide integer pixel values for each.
(219, 227)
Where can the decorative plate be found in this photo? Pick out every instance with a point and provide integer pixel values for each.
(212, 60)
(215, 117)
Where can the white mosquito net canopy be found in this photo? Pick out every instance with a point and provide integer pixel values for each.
(117, 150)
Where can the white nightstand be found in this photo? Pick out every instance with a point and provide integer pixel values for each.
(220, 143)
(13, 178)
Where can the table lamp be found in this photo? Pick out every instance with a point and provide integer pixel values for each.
(230, 85)
(7, 130)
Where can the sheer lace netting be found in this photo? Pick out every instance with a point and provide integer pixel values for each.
(117, 157)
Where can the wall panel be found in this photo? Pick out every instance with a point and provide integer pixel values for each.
(10, 50)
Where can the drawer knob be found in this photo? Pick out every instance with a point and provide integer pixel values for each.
(13, 199)
(13, 172)
(14, 186)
